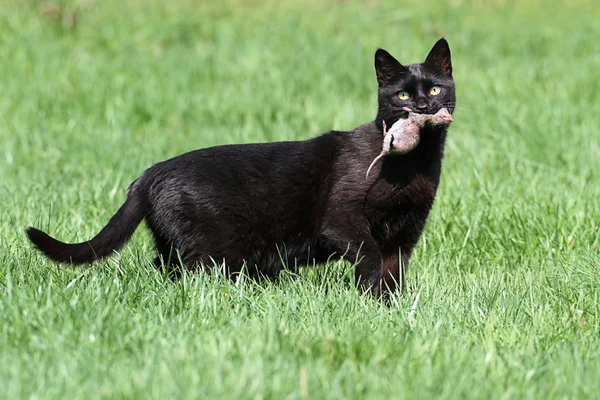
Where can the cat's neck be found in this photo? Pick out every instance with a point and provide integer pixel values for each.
(388, 121)
(378, 123)
(425, 159)
(369, 129)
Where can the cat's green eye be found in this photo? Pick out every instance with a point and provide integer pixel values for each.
(403, 95)
(434, 91)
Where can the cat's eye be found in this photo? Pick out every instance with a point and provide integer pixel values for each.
(403, 95)
(435, 90)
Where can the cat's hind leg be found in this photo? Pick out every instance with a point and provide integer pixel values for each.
(167, 259)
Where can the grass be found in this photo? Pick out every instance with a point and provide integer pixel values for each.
(506, 274)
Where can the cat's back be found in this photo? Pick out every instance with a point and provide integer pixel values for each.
(277, 169)
(272, 156)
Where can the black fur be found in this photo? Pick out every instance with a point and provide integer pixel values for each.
(257, 204)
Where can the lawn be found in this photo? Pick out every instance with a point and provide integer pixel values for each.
(504, 298)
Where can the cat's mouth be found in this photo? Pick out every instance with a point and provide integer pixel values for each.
(405, 140)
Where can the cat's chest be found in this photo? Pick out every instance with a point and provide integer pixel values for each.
(417, 192)
(396, 209)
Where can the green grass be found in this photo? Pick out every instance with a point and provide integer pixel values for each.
(506, 274)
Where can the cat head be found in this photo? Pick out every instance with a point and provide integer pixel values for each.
(425, 88)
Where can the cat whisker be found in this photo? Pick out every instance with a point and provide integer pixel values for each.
(468, 107)
(395, 115)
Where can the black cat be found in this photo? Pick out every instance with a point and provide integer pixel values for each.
(255, 204)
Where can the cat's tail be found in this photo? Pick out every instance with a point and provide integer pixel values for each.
(111, 238)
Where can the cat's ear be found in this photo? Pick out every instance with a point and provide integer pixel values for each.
(439, 58)
(386, 67)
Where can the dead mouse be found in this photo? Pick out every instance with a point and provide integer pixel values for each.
(404, 136)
